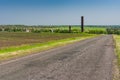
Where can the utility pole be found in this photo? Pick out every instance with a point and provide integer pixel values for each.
(69, 29)
(82, 23)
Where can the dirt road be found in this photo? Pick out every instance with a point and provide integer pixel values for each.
(90, 59)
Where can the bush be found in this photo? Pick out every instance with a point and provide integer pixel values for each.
(96, 32)
(113, 30)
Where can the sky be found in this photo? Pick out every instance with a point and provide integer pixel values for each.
(59, 12)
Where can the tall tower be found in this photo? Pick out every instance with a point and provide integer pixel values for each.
(82, 23)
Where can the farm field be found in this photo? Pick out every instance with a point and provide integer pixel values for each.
(16, 35)
(8, 39)
(14, 44)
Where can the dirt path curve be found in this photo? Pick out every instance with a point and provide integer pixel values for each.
(90, 59)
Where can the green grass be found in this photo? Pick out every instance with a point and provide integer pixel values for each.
(117, 39)
(25, 49)
(117, 67)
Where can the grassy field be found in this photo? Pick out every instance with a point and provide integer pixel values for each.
(21, 44)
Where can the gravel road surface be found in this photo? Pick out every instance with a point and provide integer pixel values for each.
(90, 59)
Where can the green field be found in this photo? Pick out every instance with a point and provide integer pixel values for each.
(15, 44)
(55, 29)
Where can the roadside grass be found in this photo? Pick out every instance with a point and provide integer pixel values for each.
(117, 61)
(25, 49)
(117, 39)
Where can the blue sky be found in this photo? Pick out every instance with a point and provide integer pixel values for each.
(60, 12)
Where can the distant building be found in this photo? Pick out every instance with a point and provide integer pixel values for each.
(3, 29)
(27, 30)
